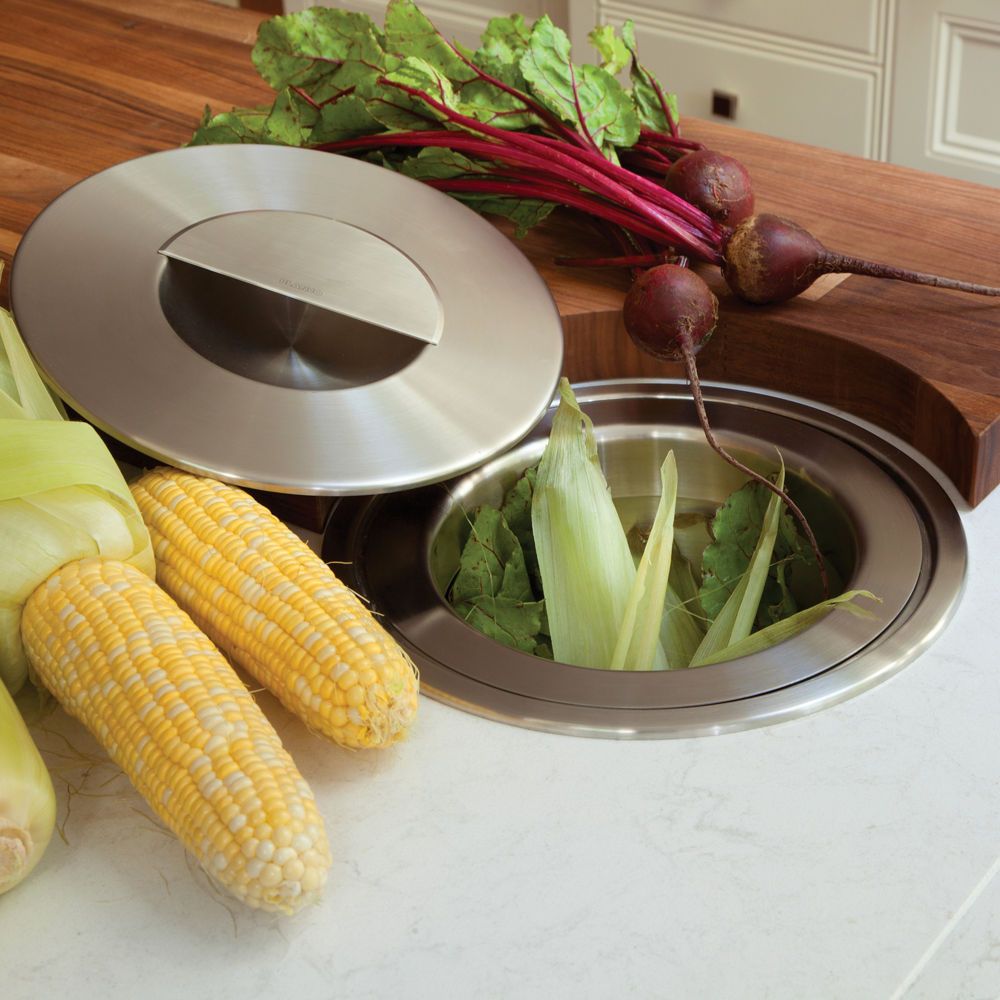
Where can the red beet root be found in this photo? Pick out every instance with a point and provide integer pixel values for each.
(669, 312)
(717, 184)
(669, 309)
(768, 259)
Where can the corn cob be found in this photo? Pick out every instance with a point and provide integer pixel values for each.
(276, 609)
(120, 656)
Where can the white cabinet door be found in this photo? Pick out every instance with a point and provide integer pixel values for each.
(821, 80)
(854, 27)
(946, 89)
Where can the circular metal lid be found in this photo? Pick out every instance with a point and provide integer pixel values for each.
(287, 319)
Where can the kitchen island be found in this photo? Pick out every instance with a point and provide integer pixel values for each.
(846, 855)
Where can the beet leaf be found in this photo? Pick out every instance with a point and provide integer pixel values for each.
(531, 128)
(736, 529)
(321, 50)
(657, 109)
(492, 589)
(587, 96)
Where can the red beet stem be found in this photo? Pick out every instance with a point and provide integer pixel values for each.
(656, 225)
(692, 376)
(627, 260)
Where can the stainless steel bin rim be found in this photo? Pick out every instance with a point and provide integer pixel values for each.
(910, 552)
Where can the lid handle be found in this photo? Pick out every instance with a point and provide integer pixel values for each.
(317, 260)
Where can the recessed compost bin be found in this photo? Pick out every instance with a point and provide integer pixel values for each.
(895, 531)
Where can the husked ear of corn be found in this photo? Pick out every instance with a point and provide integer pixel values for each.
(276, 609)
(120, 656)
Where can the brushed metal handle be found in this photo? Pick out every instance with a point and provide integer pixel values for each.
(318, 260)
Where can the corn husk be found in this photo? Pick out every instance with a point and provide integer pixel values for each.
(736, 619)
(638, 646)
(62, 496)
(584, 558)
(770, 636)
(682, 627)
(27, 798)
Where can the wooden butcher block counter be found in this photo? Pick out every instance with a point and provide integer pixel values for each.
(86, 84)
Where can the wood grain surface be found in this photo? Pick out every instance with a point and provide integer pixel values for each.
(86, 84)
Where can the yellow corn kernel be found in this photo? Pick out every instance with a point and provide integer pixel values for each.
(276, 609)
(119, 655)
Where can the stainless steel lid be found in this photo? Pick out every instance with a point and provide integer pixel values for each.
(287, 319)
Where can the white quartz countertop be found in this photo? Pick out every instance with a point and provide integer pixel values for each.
(852, 854)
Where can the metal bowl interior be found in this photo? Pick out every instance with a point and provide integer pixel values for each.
(894, 529)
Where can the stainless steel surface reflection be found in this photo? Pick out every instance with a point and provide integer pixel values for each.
(900, 536)
(222, 374)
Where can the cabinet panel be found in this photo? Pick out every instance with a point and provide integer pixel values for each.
(966, 115)
(973, 74)
(852, 25)
(776, 92)
(945, 115)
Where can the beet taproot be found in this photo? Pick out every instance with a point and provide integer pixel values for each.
(769, 259)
